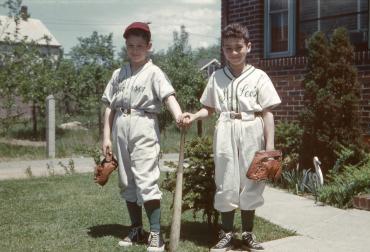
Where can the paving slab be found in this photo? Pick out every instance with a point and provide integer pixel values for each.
(306, 244)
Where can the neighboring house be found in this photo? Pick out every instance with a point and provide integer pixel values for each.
(209, 66)
(33, 29)
(279, 32)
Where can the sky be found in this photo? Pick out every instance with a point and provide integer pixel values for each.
(69, 19)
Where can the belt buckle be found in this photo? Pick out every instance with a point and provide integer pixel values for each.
(126, 111)
(232, 115)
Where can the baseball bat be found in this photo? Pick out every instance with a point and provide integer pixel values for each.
(177, 199)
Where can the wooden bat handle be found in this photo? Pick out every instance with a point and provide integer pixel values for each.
(177, 199)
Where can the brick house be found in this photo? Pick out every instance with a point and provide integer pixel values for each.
(279, 32)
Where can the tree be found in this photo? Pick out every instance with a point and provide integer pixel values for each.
(211, 52)
(187, 79)
(94, 61)
(97, 49)
(331, 115)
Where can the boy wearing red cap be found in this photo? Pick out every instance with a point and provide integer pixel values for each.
(134, 96)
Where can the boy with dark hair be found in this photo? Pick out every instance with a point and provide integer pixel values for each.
(243, 97)
(134, 96)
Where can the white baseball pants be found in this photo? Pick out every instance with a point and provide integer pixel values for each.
(136, 140)
(235, 143)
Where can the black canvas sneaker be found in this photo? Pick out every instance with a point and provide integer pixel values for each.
(155, 241)
(249, 242)
(136, 236)
(226, 242)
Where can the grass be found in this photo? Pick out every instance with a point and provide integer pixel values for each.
(71, 213)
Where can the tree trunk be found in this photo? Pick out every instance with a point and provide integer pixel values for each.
(34, 120)
(99, 114)
(200, 130)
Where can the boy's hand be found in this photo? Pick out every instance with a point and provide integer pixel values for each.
(107, 145)
(187, 119)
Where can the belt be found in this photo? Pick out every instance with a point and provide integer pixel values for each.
(126, 111)
(239, 115)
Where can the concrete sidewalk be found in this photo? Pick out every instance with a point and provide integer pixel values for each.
(318, 228)
(17, 170)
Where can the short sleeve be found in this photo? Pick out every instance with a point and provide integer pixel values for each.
(208, 97)
(162, 86)
(109, 92)
(266, 94)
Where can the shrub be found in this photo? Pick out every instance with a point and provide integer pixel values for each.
(331, 116)
(198, 179)
(288, 137)
(342, 187)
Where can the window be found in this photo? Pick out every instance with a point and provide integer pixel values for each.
(289, 24)
(280, 32)
(327, 15)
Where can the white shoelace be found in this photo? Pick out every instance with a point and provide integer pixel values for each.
(226, 239)
(251, 238)
(154, 239)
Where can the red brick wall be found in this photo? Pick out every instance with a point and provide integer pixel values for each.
(286, 73)
(250, 14)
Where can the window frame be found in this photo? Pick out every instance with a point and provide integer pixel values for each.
(293, 24)
(291, 31)
(303, 52)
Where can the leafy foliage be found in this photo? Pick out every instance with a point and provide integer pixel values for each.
(288, 137)
(331, 116)
(354, 180)
(198, 179)
(213, 51)
(181, 67)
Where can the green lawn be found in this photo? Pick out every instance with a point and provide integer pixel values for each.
(72, 213)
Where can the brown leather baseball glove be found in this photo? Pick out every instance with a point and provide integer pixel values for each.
(265, 165)
(104, 169)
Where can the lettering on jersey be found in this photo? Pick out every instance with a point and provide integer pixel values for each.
(120, 84)
(244, 92)
(137, 89)
(222, 99)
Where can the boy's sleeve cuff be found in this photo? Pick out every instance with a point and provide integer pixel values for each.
(169, 94)
(105, 101)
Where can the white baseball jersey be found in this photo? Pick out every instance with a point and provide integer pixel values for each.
(136, 136)
(236, 140)
(145, 89)
(252, 90)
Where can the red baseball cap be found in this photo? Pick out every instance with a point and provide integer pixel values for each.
(137, 25)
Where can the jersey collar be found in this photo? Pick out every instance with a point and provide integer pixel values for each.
(231, 76)
(140, 69)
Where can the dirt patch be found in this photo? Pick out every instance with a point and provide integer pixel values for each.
(23, 142)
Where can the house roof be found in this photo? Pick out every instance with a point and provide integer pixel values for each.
(203, 63)
(34, 29)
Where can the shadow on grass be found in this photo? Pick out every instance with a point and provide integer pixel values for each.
(115, 230)
(196, 232)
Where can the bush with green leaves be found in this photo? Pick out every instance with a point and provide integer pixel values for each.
(288, 137)
(352, 181)
(199, 187)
